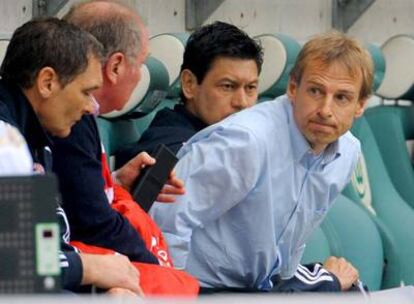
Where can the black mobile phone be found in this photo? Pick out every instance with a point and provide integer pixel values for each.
(152, 178)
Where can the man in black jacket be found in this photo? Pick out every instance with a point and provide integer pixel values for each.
(48, 74)
(77, 159)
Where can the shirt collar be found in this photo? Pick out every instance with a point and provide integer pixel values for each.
(301, 147)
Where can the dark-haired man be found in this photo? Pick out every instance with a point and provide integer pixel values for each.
(219, 76)
(48, 75)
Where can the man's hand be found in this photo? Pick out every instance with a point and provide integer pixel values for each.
(110, 271)
(126, 176)
(346, 273)
(171, 189)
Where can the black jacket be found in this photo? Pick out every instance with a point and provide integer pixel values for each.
(77, 163)
(170, 127)
(16, 110)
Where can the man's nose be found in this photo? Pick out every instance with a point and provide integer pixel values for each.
(325, 111)
(240, 99)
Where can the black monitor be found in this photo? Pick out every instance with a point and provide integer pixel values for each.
(29, 235)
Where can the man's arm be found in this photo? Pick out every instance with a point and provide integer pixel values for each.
(308, 278)
(103, 271)
(77, 162)
(109, 271)
(218, 168)
(335, 275)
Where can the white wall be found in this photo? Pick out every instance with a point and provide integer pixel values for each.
(13, 14)
(384, 19)
(160, 16)
(297, 18)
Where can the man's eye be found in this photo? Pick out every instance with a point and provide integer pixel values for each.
(315, 90)
(227, 86)
(343, 98)
(251, 88)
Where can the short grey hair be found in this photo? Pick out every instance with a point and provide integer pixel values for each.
(115, 27)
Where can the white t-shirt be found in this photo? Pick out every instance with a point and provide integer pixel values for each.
(15, 158)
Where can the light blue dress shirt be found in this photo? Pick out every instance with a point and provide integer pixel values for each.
(254, 194)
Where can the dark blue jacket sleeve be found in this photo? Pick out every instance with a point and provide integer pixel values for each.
(77, 163)
(71, 267)
(308, 278)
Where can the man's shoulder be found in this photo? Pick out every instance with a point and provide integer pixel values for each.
(264, 119)
(349, 142)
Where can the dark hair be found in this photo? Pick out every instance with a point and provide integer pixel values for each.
(218, 39)
(114, 24)
(48, 42)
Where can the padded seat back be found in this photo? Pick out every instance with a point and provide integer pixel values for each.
(353, 235)
(399, 77)
(142, 123)
(151, 88)
(394, 216)
(279, 55)
(392, 127)
(317, 248)
(379, 65)
(169, 49)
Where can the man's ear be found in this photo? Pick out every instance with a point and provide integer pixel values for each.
(114, 67)
(47, 81)
(361, 107)
(292, 89)
(188, 84)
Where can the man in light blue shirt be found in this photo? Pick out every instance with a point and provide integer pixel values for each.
(260, 181)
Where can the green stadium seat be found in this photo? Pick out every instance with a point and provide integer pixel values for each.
(317, 248)
(141, 124)
(169, 49)
(372, 187)
(353, 235)
(279, 55)
(348, 232)
(379, 65)
(399, 57)
(393, 125)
